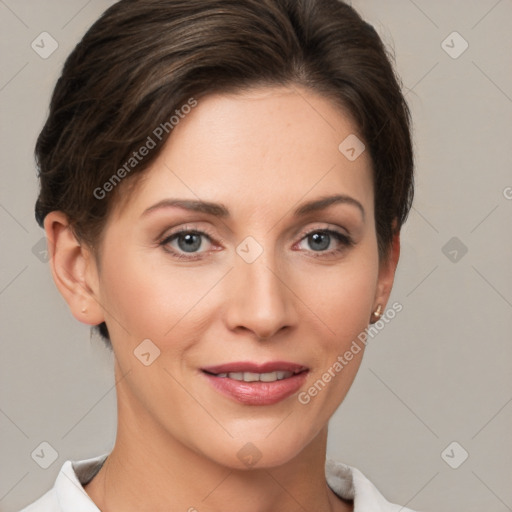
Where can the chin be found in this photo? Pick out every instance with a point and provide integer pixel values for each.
(262, 452)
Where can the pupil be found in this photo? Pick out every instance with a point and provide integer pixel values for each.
(192, 242)
(318, 238)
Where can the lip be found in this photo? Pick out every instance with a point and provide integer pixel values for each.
(256, 393)
(249, 366)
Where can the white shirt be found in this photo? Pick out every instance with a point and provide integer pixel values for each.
(68, 494)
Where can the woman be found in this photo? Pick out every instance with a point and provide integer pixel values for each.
(223, 185)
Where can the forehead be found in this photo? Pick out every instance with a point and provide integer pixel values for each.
(266, 147)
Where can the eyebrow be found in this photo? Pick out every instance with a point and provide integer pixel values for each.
(219, 210)
(325, 202)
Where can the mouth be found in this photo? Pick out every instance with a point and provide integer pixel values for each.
(257, 384)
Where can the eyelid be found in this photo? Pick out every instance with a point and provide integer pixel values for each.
(326, 227)
(187, 228)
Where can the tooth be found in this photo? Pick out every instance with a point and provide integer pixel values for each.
(268, 377)
(255, 377)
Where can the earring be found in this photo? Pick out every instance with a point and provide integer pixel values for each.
(84, 310)
(378, 312)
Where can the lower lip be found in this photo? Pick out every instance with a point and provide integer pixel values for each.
(257, 393)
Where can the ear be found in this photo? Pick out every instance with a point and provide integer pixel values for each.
(74, 269)
(387, 268)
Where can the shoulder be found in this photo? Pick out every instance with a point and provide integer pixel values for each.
(68, 494)
(350, 483)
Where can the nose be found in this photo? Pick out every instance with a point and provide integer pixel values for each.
(260, 298)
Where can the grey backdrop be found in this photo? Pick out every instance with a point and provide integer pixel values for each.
(438, 374)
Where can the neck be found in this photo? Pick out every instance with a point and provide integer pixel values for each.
(148, 469)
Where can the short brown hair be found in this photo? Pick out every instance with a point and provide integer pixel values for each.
(144, 59)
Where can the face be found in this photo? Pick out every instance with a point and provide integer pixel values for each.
(247, 251)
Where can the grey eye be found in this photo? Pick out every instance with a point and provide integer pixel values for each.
(189, 242)
(319, 241)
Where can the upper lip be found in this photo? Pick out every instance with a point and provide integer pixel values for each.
(248, 366)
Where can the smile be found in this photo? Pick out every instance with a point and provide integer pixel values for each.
(252, 384)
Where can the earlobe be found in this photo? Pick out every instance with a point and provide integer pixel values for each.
(73, 269)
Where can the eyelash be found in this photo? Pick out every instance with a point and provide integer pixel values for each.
(344, 240)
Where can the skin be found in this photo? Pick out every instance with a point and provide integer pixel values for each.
(261, 154)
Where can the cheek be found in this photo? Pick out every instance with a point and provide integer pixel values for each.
(148, 299)
(343, 297)
(342, 300)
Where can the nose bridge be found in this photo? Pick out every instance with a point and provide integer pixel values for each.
(260, 300)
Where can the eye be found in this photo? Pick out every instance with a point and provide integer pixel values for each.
(189, 244)
(186, 243)
(326, 242)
